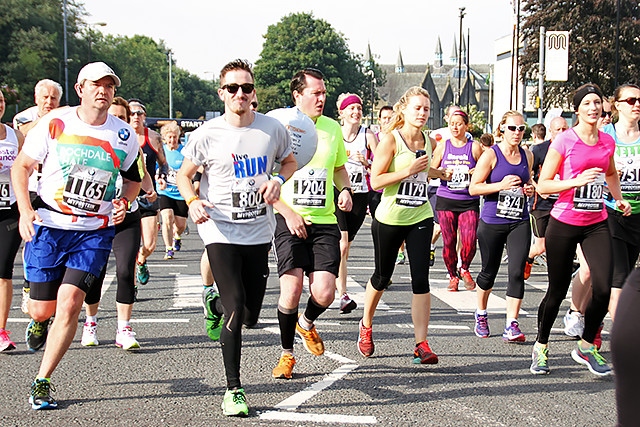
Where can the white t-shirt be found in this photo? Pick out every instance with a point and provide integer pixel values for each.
(8, 153)
(80, 164)
(27, 116)
(237, 161)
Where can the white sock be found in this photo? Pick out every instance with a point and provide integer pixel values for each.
(122, 324)
(481, 312)
(306, 325)
(92, 319)
(511, 320)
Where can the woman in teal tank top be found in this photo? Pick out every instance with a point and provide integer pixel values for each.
(401, 168)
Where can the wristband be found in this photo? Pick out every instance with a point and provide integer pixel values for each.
(127, 202)
(348, 189)
(191, 199)
(280, 179)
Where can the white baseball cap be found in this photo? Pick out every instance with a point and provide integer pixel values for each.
(94, 71)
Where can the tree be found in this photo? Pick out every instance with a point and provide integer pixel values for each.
(298, 41)
(592, 43)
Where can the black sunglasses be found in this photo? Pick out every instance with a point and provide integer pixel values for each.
(605, 114)
(631, 101)
(138, 113)
(514, 128)
(233, 87)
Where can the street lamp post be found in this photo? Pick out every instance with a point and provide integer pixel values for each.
(90, 36)
(371, 74)
(66, 60)
(462, 9)
(170, 55)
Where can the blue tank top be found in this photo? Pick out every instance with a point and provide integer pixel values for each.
(506, 206)
(174, 161)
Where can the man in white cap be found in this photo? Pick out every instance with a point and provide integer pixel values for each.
(68, 237)
(47, 95)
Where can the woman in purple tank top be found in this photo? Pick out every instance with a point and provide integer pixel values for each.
(503, 177)
(458, 210)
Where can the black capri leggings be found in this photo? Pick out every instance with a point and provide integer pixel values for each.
(386, 243)
(126, 244)
(491, 239)
(561, 242)
(10, 234)
(241, 273)
(625, 345)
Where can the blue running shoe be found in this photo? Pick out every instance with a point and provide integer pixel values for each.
(513, 333)
(482, 325)
(177, 244)
(36, 334)
(142, 273)
(40, 397)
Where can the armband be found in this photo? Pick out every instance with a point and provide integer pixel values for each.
(349, 189)
(279, 178)
(191, 199)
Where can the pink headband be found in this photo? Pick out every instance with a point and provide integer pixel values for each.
(351, 99)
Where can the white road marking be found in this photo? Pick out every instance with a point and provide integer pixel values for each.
(317, 418)
(187, 291)
(444, 327)
(356, 292)
(467, 301)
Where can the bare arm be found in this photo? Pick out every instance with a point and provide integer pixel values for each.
(196, 205)
(23, 167)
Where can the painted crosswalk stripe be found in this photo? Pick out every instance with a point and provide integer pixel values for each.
(187, 291)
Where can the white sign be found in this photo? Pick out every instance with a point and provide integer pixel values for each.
(556, 55)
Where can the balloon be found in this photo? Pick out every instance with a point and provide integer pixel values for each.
(302, 130)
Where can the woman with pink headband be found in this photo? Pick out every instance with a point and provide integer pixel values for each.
(357, 140)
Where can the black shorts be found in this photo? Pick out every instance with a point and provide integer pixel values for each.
(10, 235)
(148, 209)
(179, 207)
(352, 221)
(539, 222)
(320, 251)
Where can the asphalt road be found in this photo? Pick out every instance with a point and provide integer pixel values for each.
(177, 377)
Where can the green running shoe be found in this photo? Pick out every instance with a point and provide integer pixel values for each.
(36, 335)
(213, 319)
(235, 403)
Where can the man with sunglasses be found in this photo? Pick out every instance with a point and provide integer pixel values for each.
(233, 212)
(307, 238)
(69, 236)
(151, 143)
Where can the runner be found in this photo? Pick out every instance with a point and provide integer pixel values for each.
(401, 167)
(233, 212)
(10, 142)
(82, 149)
(307, 237)
(503, 177)
(358, 140)
(584, 159)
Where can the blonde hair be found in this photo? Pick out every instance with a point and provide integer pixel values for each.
(397, 120)
(171, 127)
(511, 113)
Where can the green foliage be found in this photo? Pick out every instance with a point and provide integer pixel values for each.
(299, 41)
(592, 43)
(477, 120)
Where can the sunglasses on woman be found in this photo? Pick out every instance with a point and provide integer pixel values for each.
(631, 101)
(519, 128)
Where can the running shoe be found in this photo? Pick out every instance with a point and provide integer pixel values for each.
(573, 324)
(5, 343)
(135, 293)
(142, 273)
(89, 336)
(213, 319)
(597, 341)
(540, 360)
(469, 283)
(432, 257)
(126, 339)
(235, 403)
(453, 284)
(400, 259)
(284, 370)
(513, 333)
(36, 335)
(527, 269)
(311, 340)
(347, 305)
(365, 342)
(592, 359)
(422, 354)
(169, 254)
(177, 244)
(40, 397)
(482, 325)
(24, 304)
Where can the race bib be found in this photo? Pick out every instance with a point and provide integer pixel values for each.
(412, 191)
(357, 177)
(511, 203)
(310, 190)
(630, 174)
(5, 192)
(246, 201)
(171, 177)
(460, 178)
(590, 197)
(86, 187)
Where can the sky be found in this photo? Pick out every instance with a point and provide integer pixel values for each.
(206, 34)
